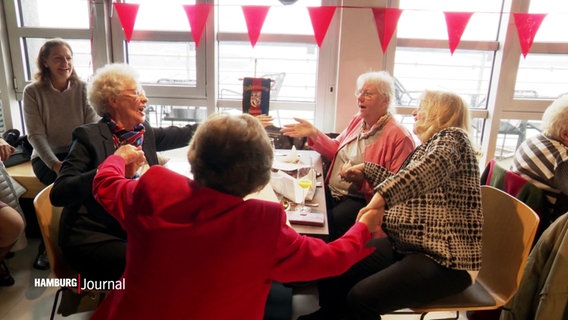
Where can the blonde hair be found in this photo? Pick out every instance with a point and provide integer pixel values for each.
(439, 110)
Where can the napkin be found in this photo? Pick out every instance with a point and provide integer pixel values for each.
(288, 161)
(287, 186)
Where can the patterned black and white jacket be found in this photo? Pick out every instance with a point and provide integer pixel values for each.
(434, 201)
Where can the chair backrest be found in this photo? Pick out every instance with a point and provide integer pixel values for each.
(509, 229)
(276, 83)
(48, 218)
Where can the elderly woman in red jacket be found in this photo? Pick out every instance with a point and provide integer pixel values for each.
(373, 135)
(197, 249)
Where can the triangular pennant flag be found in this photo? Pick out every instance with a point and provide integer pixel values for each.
(386, 20)
(456, 23)
(527, 26)
(127, 15)
(254, 17)
(197, 17)
(321, 18)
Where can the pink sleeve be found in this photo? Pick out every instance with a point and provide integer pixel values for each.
(303, 258)
(111, 189)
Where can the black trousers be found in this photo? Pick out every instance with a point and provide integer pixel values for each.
(387, 281)
(99, 261)
(342, 213)
(43, 172)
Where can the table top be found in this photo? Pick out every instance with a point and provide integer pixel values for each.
(178, 163)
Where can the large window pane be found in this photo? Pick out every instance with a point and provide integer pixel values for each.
(162, 15)
(466, 73)
(555, 21)
(425, 19)
(292, 19)
(298, 62)
(81, 56)
(542, 76)
(72, 14)
(164, 62)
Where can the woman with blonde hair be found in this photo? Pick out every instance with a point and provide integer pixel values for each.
(432, 217)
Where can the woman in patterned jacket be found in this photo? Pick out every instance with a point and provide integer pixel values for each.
(432, 218)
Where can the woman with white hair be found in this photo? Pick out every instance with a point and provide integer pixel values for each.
(92, 241)
(543, 159)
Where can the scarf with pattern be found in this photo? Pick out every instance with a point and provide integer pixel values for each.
(364, 134)
(121, 136)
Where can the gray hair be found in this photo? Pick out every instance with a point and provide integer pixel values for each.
(231, 154)
(555, 118)
(108, 81)
(382, 81)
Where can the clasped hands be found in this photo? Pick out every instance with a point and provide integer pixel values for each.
(134, 158)
(372, 214)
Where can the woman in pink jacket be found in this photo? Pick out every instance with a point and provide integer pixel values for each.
(373, 135)
(196, 249)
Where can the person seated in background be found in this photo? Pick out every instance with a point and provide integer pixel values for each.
(432, 218)
(54, 104)
(205, 251)
(373, 135)
(92, 241)
(543, 158)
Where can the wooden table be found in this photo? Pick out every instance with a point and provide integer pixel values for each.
(24, 174)
(178, 163)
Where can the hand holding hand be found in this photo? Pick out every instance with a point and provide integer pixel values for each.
(5, 150)
(353, 173)
(301, 129)
(133, 156)
(372, 214)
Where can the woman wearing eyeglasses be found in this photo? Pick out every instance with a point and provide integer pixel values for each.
(92, 241)
(54, 104)
(373, 135)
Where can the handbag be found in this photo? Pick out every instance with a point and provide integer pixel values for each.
(23, 147)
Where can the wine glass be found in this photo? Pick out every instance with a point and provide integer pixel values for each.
(305, 179)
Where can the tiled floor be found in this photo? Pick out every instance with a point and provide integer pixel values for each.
(23, 301)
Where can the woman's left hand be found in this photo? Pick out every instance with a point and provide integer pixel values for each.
(352, 173)
(5, 150)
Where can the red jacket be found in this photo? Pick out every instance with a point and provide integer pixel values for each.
(196, 253)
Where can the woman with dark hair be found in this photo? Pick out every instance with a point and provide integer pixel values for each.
(207, 252)
(54, 104)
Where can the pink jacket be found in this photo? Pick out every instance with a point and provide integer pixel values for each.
(389, 150)
(196, 253)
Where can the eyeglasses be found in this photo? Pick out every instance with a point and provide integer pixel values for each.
(138, 94)
(365, 94)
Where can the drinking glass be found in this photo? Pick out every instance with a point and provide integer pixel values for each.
(305, 180)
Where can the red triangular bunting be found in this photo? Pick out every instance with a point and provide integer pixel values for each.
(127, 15)
(386, 20)
(456, 23)
(527, 26)
(197, 17)
(321, 17)
(254, 17)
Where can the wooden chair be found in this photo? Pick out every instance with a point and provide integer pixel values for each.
(48, 218)
(509, 228)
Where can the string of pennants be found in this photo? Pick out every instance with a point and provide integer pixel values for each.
(386, 20)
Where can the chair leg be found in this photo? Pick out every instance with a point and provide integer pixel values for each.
(55, 300)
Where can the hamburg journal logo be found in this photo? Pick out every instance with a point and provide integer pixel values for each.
(80, 284)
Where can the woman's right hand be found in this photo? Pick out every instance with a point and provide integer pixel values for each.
(133, 156)
(372, 214)
(301, 129)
